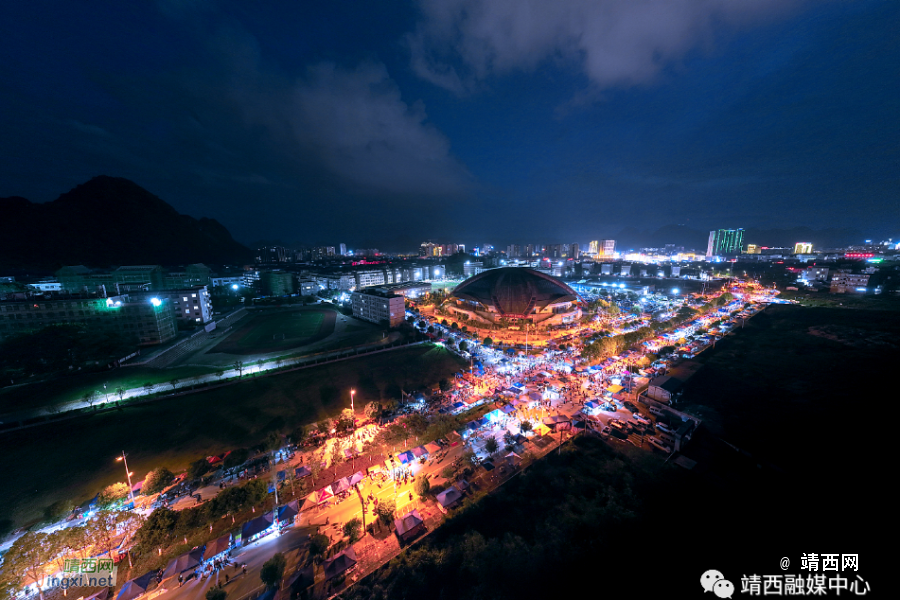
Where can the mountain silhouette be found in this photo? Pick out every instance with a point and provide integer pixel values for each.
(110, 221)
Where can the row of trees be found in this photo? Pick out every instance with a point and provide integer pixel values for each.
(25, 561)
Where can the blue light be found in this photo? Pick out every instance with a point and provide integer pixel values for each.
(155, 301)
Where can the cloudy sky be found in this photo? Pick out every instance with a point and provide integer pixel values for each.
(462, 120)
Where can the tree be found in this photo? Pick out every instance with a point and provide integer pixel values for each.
(318, 544)
(352, 529)
(273, 570)
(509, 439)
(106, 528)
(373, 410)
(174, 383)
(463, 345)
(216, 593)
(448, 472)
(272, 441)
(113, 494)
(157, 480)
(422, 486)
(445, 385)
(236, 458)
(120, 392)
(491, 446)
(315, 465)
(58, 510)
(335, 456)
(345, 422)
(239, 367)
(198, 468)
(430, 329)
(90, 397)
(487, 342)
(386, 509)
(324, 426)
(526, 426)
(25, 559)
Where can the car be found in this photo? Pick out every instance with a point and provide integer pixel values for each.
(638, 428)
(610, 407)
(630, 406)
(616, 424)
(664, 428)
(657, 443)
(641, 418)
(605, 431)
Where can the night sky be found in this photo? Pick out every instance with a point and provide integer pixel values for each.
(462, 120)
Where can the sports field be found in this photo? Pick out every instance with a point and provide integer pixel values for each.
(275, 331)
(76, 458)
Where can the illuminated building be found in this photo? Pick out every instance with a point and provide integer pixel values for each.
(753, 249)
(515, 293)
(802, 248)
(843, 282)
(723, 242)
(190, 305)
(593, 247)
(381, 308)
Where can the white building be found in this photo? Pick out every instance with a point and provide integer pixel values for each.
(378, 308)
(191, 305)
(369, 278)
(46, 286)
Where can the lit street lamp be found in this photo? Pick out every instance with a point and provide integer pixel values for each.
(352, 393)
(127, 474)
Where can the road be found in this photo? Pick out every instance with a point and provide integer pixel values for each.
(292, 543)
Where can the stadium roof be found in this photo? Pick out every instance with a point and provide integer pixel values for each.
(514, 290)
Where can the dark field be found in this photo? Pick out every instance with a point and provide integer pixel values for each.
(276, 331)
(795, 378)
(76, 458)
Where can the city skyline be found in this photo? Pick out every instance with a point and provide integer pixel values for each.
(372, 125)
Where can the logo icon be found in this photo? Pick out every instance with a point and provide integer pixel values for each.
(709, 579)
(723, 588)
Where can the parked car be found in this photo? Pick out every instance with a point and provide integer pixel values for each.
(657, 443)
(630, 406)
(641, 418)
(665, 428)
(638, 428)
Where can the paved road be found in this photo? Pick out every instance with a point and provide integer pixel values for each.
(292, 542)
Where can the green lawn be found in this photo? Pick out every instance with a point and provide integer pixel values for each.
(76, 458)
(72, 387)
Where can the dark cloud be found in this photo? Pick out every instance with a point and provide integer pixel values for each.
(460, 43)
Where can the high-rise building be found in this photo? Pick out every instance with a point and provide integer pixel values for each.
(606, 248)
(802, 248)
(272, 254)
(594, 247)
(574, 251)
(724, 242)
(276, 283)
(343, 248)
(753, 249)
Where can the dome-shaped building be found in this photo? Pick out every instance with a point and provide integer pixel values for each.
(515, 293)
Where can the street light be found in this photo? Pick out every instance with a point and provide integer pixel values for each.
(127, 474)
(352, 393)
